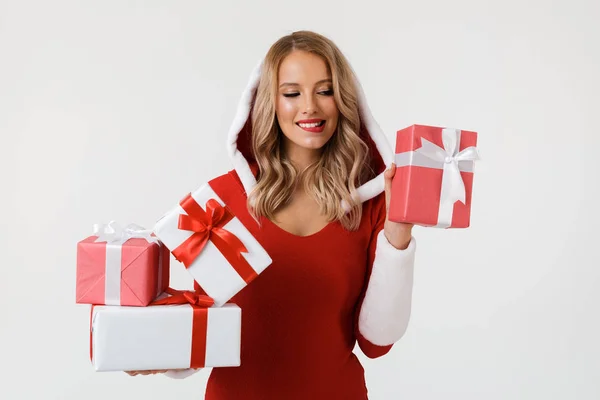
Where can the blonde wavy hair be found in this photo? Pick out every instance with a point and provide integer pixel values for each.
(344, 162)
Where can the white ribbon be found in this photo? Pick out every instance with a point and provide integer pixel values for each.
(115, 236)
(113, 233)
(451, 161)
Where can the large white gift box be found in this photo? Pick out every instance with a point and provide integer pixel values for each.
(165, 337)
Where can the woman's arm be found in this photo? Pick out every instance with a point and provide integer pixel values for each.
(383, 311)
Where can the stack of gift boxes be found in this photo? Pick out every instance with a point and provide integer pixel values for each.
(138, 322)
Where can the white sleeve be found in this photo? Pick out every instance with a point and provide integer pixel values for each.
(181, 374)
(385, 311)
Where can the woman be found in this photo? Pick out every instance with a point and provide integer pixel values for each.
(310, 184)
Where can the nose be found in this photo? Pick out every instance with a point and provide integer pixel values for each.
(310, 106)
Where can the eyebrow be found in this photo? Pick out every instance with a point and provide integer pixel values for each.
(295, 84)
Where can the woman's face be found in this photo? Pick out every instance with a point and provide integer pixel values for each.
(305, 106)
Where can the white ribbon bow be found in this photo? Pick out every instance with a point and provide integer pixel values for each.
(453, 186)
(113, 233)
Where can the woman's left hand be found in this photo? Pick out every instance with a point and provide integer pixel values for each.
(397, 233)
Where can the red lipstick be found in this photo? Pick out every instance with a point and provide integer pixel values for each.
(314, 129)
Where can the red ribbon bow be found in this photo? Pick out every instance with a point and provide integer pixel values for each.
(200, 304)
(208, 225)
(185, 297)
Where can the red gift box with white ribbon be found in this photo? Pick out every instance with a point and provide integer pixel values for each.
(434, 176)
(121, 266)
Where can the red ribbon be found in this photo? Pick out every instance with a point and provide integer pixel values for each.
(200, 304)
(208, 225)
(185, 297)
(91, 333)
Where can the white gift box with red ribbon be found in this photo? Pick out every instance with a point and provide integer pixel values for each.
(216, 248)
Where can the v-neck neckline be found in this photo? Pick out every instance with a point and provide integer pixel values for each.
(320, 232)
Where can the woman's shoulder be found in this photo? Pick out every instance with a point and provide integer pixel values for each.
(229, 188)
(375, 203)
(230, 179)
(374, 209)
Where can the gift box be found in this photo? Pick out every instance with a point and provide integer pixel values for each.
(434, 176)
(162, 337)
(116, 266)
(216, 248)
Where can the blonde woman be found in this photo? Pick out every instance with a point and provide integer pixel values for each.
(310, 183)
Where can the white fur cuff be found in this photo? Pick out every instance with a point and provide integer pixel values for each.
(386, 308)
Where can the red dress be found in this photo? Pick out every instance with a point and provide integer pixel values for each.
(300, 316)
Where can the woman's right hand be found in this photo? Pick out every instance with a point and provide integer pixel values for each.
(148, 372)
(177, 373)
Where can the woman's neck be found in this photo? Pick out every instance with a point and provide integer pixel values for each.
(302, 158)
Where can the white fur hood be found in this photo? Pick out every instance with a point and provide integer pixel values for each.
(239, 149)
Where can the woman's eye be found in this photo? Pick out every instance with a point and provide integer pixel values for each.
(291, 94)
(327, 92)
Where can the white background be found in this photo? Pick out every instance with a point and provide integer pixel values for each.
(115, 109)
